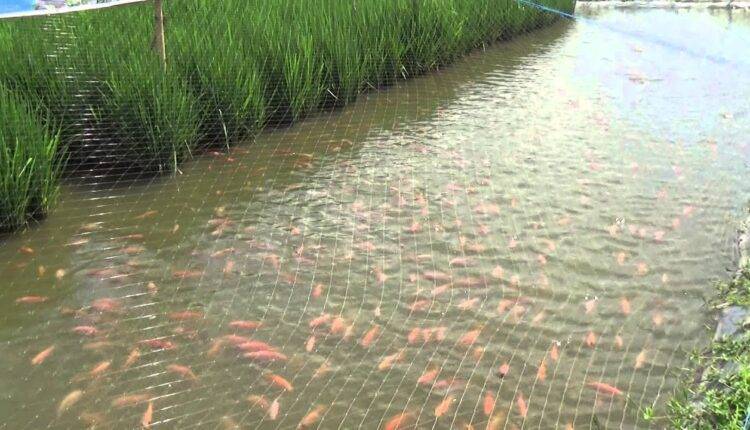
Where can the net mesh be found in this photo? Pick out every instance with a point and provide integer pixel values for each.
(280, 231)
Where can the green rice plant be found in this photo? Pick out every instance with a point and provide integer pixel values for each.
(221, 71)
(155, 116)
(29, 163)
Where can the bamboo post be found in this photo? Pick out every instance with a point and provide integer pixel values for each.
(158, 43)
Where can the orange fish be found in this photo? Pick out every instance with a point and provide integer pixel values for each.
(259, 401)
(85, 330)
(590, 339)
(222, 252)
(255, 345)
(338, 326)
(604, 388)
(319, 321)
(504, 305)
(228, 267)
(32, 299)
(489, 403)
(440, 290)
(26, 250)
(379, 275)
(129, 400)
(657, 318)
(538, 317)
(641, 269)
(523, 409)
(322, 370)
(39, 358)
(370, 336)
(310, 344)
(541, 373)
(398, 422)
(428, 377)
(105, 305)
(389, 360)
(589, 305)
(640, 359)
(470, 337)
(245, 325)
(413, 336)
(159, 344)
(273, 409)
(497, 272)
(100, 368)
(503, 370)
(444, 406)
(186, 274)
(185, 315)
(436, 276)
(420, 305)
(621, 258)
(625, 306)
(618, 342)
(553, 352)
(317, 290)
(312, 417)
(440, 333)
(148, 416)
(148, 213)
(68, 401)
(468, 304)
(461, 262)
(132, 357)
(280, 382)
(235, 339)
(184, 371)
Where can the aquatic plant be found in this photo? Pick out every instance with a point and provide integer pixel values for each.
(29, 163)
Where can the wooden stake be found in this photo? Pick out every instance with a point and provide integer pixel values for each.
(158, 43)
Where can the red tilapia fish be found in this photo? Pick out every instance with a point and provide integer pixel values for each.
(245, 325)
(604, 388)
(185, 315)
(31, 299)
(159, 344)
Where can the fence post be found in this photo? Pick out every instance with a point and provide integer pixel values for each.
(158, 43)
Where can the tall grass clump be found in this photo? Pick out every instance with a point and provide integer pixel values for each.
(29, 163)
(222, 71)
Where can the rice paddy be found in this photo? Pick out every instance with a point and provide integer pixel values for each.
(234, 67)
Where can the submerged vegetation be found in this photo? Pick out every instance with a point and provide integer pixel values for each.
(234, 67)
(718, 397)
(29, 163)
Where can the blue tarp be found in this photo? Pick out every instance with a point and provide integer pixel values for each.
(9, 6)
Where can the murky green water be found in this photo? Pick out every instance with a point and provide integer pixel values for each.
(570, 195)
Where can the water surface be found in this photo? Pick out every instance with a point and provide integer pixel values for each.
(566, 198)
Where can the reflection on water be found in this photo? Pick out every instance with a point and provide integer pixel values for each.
(522, 240)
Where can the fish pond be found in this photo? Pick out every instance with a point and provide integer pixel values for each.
(524, 239)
